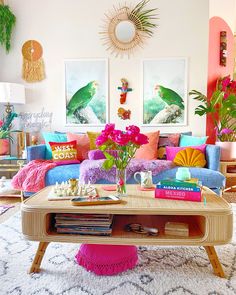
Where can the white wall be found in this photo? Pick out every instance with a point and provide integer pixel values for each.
(225, 9)
(69, 29)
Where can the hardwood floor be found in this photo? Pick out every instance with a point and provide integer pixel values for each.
(9, 201)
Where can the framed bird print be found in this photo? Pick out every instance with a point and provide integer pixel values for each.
(164, 92)
(86, 92)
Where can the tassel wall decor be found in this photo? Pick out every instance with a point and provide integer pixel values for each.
(33, 65)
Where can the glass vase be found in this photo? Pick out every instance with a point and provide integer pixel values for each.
(121, 182)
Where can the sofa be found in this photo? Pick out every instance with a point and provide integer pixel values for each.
(209, 176)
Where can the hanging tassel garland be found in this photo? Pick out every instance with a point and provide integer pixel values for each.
(33, 65)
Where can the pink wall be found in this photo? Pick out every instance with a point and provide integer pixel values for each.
(215, 70)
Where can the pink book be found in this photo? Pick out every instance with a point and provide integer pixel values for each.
(177, 195)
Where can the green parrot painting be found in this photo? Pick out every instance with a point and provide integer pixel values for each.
(169, 96)
(81, 98)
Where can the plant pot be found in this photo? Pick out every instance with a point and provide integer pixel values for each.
(4, 146)
(228, 150)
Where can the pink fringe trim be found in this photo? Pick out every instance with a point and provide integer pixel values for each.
(107, 269)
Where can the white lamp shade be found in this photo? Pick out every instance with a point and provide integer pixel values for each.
(12, 93)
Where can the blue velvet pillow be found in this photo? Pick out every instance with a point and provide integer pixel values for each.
(55, 137)
(186, 140)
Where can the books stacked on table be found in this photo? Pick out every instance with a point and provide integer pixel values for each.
(174, 189)
(84, 224)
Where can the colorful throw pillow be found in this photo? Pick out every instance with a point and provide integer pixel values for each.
(149, 151)
(82, 144)
(172, 151)
(64, 151)
(186, 140)
(92, 139)
(166, 140)
(98, 155)
(53, 137)
(190, 157)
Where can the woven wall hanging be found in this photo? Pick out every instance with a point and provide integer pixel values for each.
(33, 65)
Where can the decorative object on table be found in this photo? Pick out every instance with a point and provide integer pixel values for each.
(165, 92)
(223, 48)
(4, 208)
(35, 121)
(145, 178)
(7, 23)
(33, 65)
(95, 200)
(126, 28)
(107, 260)
(222, 109)
(190, 157)
(126, 143)
(124, 90)
(124, 114)
(140, 229)
(86, 91)
(183, 174)
(179, 229)
(175, 189)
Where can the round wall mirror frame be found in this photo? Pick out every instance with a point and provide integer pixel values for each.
(127, 28)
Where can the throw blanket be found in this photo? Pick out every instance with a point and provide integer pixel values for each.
(31, 178)
(91, 170)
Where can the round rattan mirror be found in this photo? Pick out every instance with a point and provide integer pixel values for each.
(127, 28)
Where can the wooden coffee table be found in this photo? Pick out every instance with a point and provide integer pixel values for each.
(210, 224)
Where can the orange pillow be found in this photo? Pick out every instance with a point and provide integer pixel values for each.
(63, 151)
(149, 151)
(82, 144)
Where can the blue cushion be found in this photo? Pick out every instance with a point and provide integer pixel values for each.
(186, 140)
(62, 173)
(55, 137)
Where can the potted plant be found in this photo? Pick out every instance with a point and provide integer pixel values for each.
(7, 22)
(5, 135)
(222, 108)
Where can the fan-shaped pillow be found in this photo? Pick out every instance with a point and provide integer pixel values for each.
(190, 157)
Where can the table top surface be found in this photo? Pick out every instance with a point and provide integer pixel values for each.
(136, 202)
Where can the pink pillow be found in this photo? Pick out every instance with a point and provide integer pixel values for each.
(98, 155)
(83, 144)
(171, 151)
(149, 151)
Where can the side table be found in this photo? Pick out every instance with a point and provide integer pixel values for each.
(230, 191)
(14, 165)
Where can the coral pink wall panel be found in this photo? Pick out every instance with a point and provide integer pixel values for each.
(215, 70)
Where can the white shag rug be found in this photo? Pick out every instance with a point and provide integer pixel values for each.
(161, 270)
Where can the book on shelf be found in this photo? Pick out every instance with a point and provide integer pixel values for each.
(84, 224)
(183, 195)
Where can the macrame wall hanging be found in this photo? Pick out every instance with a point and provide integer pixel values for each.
(33, 65)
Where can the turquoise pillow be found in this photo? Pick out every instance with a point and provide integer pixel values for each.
(186, 140)
(54, 137)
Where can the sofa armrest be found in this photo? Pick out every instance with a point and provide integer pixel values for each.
(35, 152)
(213, 157)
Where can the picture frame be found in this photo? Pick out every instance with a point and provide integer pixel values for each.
(164, 92)
(86, 92)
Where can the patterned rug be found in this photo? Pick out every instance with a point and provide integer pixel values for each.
(161, 270)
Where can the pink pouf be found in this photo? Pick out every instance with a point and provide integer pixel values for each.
(107, 259)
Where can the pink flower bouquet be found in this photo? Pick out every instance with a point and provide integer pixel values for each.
(125, 143)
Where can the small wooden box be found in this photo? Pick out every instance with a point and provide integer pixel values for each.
(177, 229)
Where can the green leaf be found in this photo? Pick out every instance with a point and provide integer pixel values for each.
(202, 110)
(103, 147)
(108, 156)
(108, 164)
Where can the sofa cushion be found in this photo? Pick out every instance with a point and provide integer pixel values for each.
(187, 140)
(167, 140)
(55, 137)
(92, 139)
(171, 152)
(82, 142)
(149, 151)
(62, 173)
(63, 151)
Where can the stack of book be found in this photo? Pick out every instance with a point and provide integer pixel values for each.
(84, 224)
(179, 190)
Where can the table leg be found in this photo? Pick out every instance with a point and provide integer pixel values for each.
(217, 267)
(35, 267)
